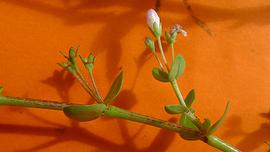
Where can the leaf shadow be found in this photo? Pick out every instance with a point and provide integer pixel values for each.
(126, 99)
(252, 140)
(76, 133)
(118, 23)
(62, 81)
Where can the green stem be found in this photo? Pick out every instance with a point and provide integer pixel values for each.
(85, 87)
(210, 140)
(90, 90)
(181, 100)
(219, 144)
(13, 101)
(178, 92)
(94, 84)
(172, 47)
(116, 112)
(162, 52)
(158, 60)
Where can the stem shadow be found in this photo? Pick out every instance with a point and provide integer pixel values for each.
(252, 140)
(76, 133)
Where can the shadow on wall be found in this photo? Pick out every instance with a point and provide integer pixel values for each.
(132, 13)
(251, 140)
(61, 133)
(118, 13)
(62, 82)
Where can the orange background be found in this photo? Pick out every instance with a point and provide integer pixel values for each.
(229, 62)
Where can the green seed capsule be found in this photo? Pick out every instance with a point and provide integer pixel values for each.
(150, 44)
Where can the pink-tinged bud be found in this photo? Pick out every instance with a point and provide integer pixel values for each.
(153, 21)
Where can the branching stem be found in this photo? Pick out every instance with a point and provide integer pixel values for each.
(116, 112)
(87, 85)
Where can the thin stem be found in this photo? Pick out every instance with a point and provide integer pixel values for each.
(210, 140)
(178, 92)
(86, 85)
(94, 84)
(23, 102)
(123, 114)
(181, 100)
(157, 58)
(219, 144)
(162, 53)
(172, 47)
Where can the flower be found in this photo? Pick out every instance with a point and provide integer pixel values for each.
(178, 29)
(153, 22)
(152, 17)
(171, 36)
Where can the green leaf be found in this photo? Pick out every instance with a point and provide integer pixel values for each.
(206, 124)
(190, 134)
(160, 75)
(178, 67)
(213, 128)
(115, 89)
(184, 121)
(190, 98)
(84, 112)
(175, 109)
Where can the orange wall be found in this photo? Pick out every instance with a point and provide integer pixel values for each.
(231, 64)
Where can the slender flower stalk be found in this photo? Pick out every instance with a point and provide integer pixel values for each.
(151, 45)
(172, 47)
(92, 91)
(95, 85)
(162, 53)
(85, 86)
(158, 60)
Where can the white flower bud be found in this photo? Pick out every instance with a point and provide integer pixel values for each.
(153, 22)
(152, 17)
